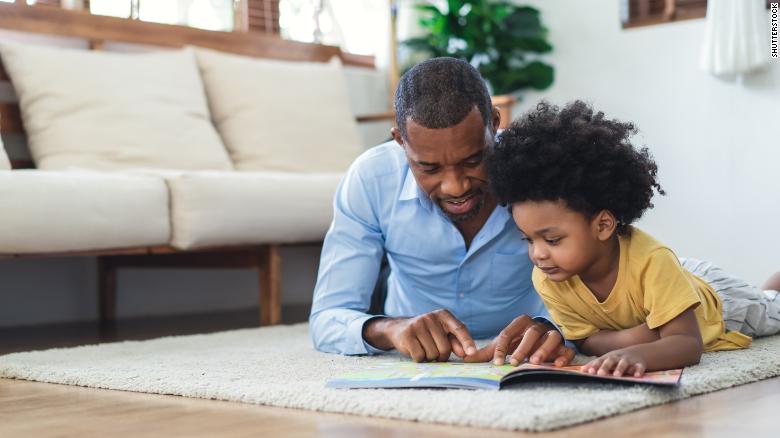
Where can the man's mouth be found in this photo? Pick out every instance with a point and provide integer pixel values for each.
(462, 205)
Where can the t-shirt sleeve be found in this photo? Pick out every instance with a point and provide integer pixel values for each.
(668, 289)
(573, 325)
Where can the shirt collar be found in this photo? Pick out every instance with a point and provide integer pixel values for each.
(502, 218)
(411, 190)
(498, 221)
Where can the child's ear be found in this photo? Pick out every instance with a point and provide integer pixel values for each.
(604, 225)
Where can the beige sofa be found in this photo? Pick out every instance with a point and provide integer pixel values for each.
(176, 151)
(144, 164)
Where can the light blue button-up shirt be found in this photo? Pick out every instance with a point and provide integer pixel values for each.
(379, 209)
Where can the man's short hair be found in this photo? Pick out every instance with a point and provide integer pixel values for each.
(439, 93)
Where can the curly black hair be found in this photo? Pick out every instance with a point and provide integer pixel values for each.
(576, 156)
(439, 93)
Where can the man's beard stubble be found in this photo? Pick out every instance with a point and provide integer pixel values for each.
(471, 214)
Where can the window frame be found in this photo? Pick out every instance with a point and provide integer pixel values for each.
(674, 11)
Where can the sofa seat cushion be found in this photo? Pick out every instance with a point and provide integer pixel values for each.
(212, 209)
(282, 116)
(113, 111)
(54, 212)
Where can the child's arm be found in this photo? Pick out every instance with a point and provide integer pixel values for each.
(680, 345)
(604, 341)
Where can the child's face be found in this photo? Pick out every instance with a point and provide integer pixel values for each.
(561, 242)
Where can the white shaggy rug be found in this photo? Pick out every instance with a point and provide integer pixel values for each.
(277, 366)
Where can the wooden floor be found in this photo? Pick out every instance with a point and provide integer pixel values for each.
(80, 333)
(33, 409)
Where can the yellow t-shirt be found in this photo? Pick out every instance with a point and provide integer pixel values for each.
(651, 288)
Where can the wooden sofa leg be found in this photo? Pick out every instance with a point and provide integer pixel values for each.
(106, 290)
(270, 268)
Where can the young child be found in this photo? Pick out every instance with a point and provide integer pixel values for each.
(576, 184)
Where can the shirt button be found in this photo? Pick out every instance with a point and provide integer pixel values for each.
(462, 295)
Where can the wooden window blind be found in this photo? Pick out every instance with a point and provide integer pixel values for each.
(251, 15)
(48, 2)
(647, 12)
(263, 16)
(636, 13)
(58, 3)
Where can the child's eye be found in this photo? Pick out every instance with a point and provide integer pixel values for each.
(552, 241)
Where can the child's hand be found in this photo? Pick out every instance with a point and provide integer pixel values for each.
(525, 338)
(617, 363)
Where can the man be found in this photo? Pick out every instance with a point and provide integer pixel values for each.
(459, 269)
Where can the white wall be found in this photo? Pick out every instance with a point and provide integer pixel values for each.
(717, 142)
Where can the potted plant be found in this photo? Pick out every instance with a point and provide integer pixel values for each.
(498, 37)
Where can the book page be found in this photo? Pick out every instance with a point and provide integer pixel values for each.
(434, 374)
(668, 377)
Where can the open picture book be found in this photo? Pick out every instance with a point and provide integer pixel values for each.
(406, 374)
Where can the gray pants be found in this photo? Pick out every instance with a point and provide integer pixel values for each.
(746, 308)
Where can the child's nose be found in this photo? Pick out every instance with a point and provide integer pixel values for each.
(539, 253)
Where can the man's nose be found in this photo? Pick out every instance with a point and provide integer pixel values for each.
(455, 183)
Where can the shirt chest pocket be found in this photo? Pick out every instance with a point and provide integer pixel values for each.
(408, 245)
(510, 272)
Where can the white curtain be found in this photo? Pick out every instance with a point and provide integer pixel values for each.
(736, 38)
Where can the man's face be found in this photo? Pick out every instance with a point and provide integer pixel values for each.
(561, 242)
(448, 163)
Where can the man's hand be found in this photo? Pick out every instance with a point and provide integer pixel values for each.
(525, 338)
(429, 337)
(617, 363)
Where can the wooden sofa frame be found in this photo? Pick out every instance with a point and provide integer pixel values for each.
(99, 30)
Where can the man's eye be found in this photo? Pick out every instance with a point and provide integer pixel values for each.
(430, 170)
(474, 162)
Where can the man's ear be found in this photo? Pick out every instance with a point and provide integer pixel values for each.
(604, 225)
(396, 133)
(496, 119)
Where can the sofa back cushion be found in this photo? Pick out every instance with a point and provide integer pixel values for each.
(111, 111)
(281, 115)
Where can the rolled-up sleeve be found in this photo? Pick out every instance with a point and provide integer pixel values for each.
(349, 267)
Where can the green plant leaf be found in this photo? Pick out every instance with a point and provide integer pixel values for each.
(536, 45)
(495, 35)
(428, 8)
(455, 5)
(537, 74)
(525, 23)
(420, 43)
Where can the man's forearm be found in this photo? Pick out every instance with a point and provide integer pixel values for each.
(604, 341)
(339, 331)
